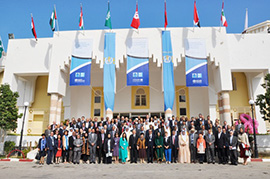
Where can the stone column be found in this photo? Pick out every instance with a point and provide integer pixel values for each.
(59, 109)
(109, 113)
(224, 107)
(53, 108)
(168, 114)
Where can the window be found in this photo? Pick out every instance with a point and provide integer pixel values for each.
(96, 112)
(183, 111)
(140, 97)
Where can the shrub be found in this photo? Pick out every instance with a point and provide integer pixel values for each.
(8, 146)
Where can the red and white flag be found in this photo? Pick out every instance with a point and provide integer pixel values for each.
(81, 19)
(136, 20)
(196, 16)
(33, 27)
(166, 20)
(223, 18)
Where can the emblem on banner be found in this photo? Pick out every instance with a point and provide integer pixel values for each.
(167, 59)
(109, 60)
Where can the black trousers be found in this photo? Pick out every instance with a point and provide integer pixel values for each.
(233, 157)
(201, 157)
(101, 153)
(150, 154)
(174, 153)
(225, 155)
(109, 160)
(220, 155)
(193, 153)
(133, 155)
(85, 157)
(65, 155)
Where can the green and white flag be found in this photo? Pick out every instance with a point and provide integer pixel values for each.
(108, 22)
(53, 19)
(1, 48)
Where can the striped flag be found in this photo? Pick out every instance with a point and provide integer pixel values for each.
(53, 19)
(166, 20)
(196, 16)
(33, 27)
(81, 19)
(223, 18)
(1, 47)
(136, 20)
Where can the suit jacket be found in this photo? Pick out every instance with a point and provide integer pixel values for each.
(150, 142)
(106, 145)
(211, 140)
(176, 145)
(76, 143)
(99, 140)
(133, 141)
(221, 142)
(49, 143)
(162, 131)
(237, 127)
(234, 142)
(70, 142)
(92, 139)
(168, 142)
(195, 140)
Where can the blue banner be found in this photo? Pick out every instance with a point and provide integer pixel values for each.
(196, 72)
(167, 64)
(109, 71)
(137, 71)
(80, 72)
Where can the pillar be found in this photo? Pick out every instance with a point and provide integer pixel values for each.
(55, 108)
(168, 114)
(59, 109)
(224, 107)
(109, 113)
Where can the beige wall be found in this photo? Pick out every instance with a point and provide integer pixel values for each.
(42, 100)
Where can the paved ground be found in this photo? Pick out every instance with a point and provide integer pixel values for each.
(253, 170)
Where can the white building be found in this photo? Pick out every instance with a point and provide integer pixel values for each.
(39, 71)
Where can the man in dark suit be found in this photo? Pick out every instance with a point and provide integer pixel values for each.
(210, 146)
(193, 145)
(220, 145)
(232, 148)
(150, 145)
(160, 129)
(100, 146)
(133, 147)
(175, 146)
(50, 148)
(71, 146)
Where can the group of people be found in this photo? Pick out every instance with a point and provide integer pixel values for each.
(152, 139)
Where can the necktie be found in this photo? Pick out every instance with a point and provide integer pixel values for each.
(173, 139)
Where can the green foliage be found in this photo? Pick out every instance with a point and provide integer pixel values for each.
(8, 146)
(263, 100)
(8, 109)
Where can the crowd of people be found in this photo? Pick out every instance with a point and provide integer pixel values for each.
(150, 139)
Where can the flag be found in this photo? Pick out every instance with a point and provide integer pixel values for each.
(246, 22)
(1, 48)
(166, 21)
(52, 19)
(81, 20)
(108, 22)
(196, 16)
(33, 28)
(223, 18)
(136, 20)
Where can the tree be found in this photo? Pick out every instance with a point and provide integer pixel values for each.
(263, 100)
(8, 109)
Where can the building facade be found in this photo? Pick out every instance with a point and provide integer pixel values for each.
(39, 71)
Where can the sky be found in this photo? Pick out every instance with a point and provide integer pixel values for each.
(16, 14)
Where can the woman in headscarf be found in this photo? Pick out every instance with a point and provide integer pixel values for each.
(123, 148)
(42, 149)
(159, 147)
(184, 153)
(141, 148)
(108, 147)
(243, 145)
(85, 148)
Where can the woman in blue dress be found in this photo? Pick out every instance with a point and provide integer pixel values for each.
(116, 147)
(123, 148)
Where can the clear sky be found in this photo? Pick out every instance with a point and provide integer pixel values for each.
(15, 14)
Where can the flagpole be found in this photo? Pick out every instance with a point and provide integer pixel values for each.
(110, 13)
(56, 21)
(221, 15)
(82, 18)
(165, 4)
(193, 17)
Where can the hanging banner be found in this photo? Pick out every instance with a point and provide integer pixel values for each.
(196, 63)
(81, 59)
(137, 62)
(109, 71)
(167, 65)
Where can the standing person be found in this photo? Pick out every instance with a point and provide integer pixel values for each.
(175, 146)
(116, 147)
(159, 147)
(92, 140)
(184, 153)
(210, 145)
(133, 147)
(232, 148)
(77, 149)
(220, 145)
(167, 147)
(226, 144)
(48, 131)
(141, 147)
(150, 145)
(50, 148)
(123, 148)
(108, 148)
(201, 146)
(58, 149)
(193, 145)
(100, 147)
(71, 146)
(65, 141)
(42, 148)
(243, 145)
(85, 148)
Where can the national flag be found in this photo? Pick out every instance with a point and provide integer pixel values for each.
(223, 18)
(33, 28)
(108, 22)
(1, 48)
(166, 20)
(196, 16)
(81, 20)
(136, 20)
(53, 19)
(246, 22)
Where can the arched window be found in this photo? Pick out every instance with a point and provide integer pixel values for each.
(140, 97)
